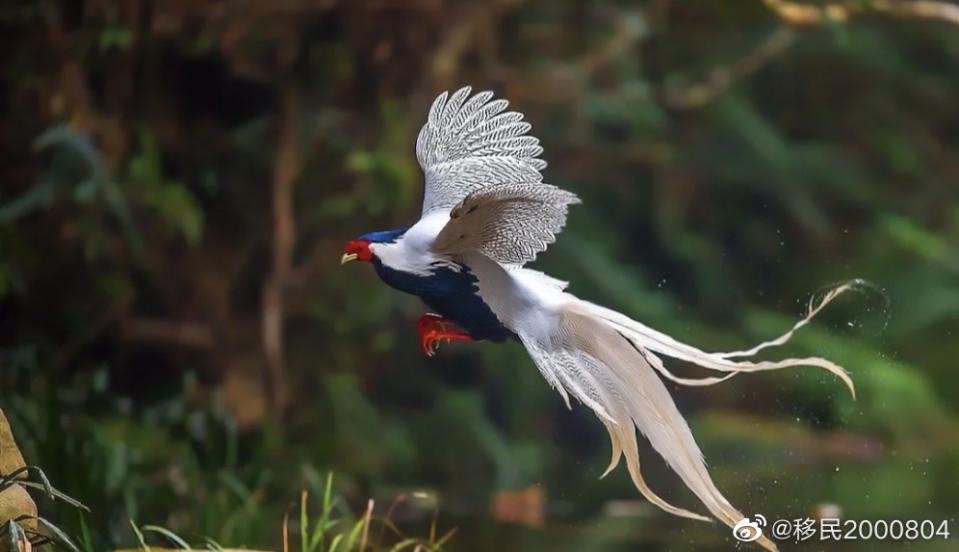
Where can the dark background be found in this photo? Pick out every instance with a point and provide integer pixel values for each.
(179, 346)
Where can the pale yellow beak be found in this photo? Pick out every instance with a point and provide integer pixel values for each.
(347, 257)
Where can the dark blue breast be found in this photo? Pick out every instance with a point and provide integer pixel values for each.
(453, 294)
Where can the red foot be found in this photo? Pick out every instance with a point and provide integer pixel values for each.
(433, 328)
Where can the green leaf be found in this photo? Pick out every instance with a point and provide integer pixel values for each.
(917, 239)
(119, 38)
(178, 206)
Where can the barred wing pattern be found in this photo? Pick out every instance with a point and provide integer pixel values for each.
(509, 223)
(467, 145)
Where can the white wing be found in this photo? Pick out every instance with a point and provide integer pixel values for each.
(467, 145)
(509, 223)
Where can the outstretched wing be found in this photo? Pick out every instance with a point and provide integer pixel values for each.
(467, 145)
(509, 223)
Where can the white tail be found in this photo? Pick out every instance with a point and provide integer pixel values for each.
(606, 360)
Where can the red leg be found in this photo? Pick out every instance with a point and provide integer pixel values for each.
(433, 328)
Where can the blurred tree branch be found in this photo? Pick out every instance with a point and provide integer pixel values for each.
(285, 171)
(69, 350)
(628, 29)
(721, 78)
(798, 13)
(179, 332)
(467, 28)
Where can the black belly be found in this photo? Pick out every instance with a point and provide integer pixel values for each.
(453, 295)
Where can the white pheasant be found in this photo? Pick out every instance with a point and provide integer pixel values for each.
(486, 213)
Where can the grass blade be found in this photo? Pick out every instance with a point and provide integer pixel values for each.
(37, 539)
(286, 530)
(327, 505)
(304, 523)
(8, 478)
(55, 494)
(47, 487)
(57, 534)
(388, 524)
(366, 524)
(449, 534)
(143, 543)
(355, 534)
(13, 535)
(406, 543)
(85, 534)
(173, 537)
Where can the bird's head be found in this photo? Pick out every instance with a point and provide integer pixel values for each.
(357, 250)
(363, 247)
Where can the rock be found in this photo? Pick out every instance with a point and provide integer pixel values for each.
(10, 457)
(16, 502)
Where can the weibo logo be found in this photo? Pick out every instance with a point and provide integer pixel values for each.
(748, 530)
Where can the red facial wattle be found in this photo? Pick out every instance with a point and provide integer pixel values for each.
(357, 250)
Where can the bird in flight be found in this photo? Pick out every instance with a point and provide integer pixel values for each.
(486, 214)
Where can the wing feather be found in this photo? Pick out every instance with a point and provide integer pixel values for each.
(509, 223)
(470, 143)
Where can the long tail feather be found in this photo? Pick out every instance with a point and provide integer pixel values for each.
(608, 362)
(647, 338)
(644, 402)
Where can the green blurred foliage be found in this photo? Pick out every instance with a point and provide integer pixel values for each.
(142, 143)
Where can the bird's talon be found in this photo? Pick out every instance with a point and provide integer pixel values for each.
(434, 330)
